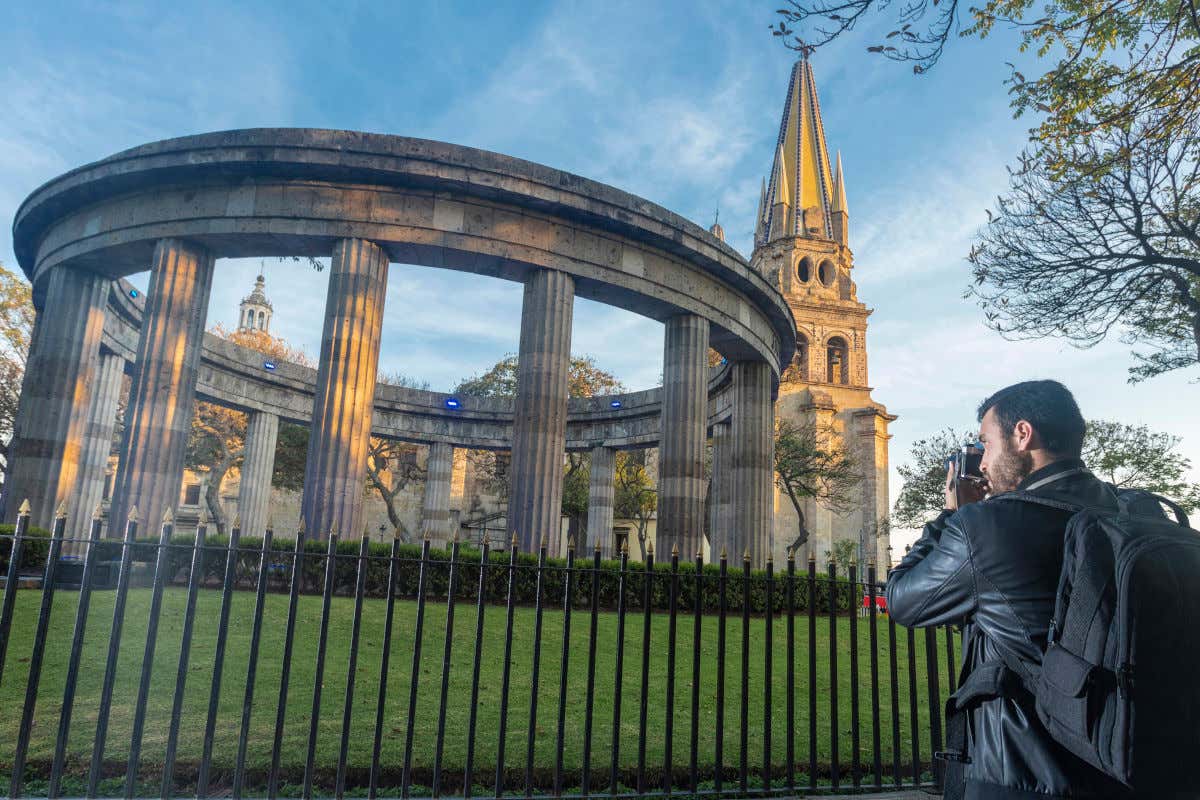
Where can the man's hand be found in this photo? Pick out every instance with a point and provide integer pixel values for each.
(968, 491)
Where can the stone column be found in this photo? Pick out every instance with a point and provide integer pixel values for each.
(820, 516)
(254, 494)
(345, 393)
(56, 394)
(97, 444)
(871, 426)
(681, 444)
(540, 411)
(159, 417)
(752, 462)
(719, 507)
(435, 508)
(601, 494)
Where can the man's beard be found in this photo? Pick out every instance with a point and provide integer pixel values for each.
(1008, 470)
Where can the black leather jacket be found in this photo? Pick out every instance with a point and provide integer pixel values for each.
(993, 567)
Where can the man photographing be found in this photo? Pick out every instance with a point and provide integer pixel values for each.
(993, 567)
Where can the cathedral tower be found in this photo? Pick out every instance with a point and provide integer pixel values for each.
(254, 313)
(801, 242)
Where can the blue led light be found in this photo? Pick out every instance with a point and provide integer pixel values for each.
(452, 402)
(269, 366)
(615, 404)
(134, 293)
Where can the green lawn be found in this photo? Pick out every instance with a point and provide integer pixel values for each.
(300, 695)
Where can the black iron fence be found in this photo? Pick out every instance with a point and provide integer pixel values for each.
(210, 666)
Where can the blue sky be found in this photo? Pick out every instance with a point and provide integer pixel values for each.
(676, 102)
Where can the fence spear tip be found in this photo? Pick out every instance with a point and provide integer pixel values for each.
(514, 539)
(237, 519)
(454, 538)
(650, 547)
(61, 511)
(746, 555)
(133, 515)
(791, 551)
(675, 550)
(545, 540)
(99, 512)
(597, 545)
(25, 508)
(168, 517)
(724, 553)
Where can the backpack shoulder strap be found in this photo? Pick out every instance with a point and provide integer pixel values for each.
(1028, 497)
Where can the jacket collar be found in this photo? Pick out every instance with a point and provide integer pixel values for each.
(1051, 469)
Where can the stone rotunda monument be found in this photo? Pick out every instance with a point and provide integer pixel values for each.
(375, 203)
(802, 245)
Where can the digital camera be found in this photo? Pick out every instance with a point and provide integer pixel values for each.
(967, 462)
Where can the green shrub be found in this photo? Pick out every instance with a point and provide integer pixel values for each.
(178, 556)
(34, 549)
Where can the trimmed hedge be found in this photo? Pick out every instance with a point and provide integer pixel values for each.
(33, 551)
(212, 567)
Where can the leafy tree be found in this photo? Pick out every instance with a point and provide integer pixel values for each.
(1106, 233)
(584, 379)
(812, 462)
(392, 466)
(217, 442)
(1128, 456)
(1136, 457)
(16, 328)
(1111, 63)
(924, 491)
(634, 494)
(844, 551)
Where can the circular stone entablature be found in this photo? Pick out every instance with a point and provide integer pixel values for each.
(278, 192)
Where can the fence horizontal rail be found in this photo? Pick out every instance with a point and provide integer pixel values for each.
(206, 665)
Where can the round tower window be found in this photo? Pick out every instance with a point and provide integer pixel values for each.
(804, 270)
(827, 273)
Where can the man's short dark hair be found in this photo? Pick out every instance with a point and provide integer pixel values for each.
(1046, 405)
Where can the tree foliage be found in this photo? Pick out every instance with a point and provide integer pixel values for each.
(1105, 233)
(634, 494)
(1128, 456)
(217, 442)
(1106, 63)
(392, 465)
(924, 490)
(584, 379)
(16, 328)
(812, 461)
(844, 552)
(1136, 457)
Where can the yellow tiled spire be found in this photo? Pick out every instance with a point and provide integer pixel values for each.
(801, 179)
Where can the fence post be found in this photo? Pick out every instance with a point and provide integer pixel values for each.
(81, 617)
(562, 668)
(409, 729)
(834, 721)
(531, 736)
(10, 586)
(39, 649)
(214, 691)
(647, 579)
(114, 647)
(360, 588)
(480, 605)
(447, 649)
(185, 649)
(877, 758)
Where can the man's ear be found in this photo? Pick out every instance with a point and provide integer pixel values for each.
(1025, 437)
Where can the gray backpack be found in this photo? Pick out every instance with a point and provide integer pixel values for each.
(1119, 682)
